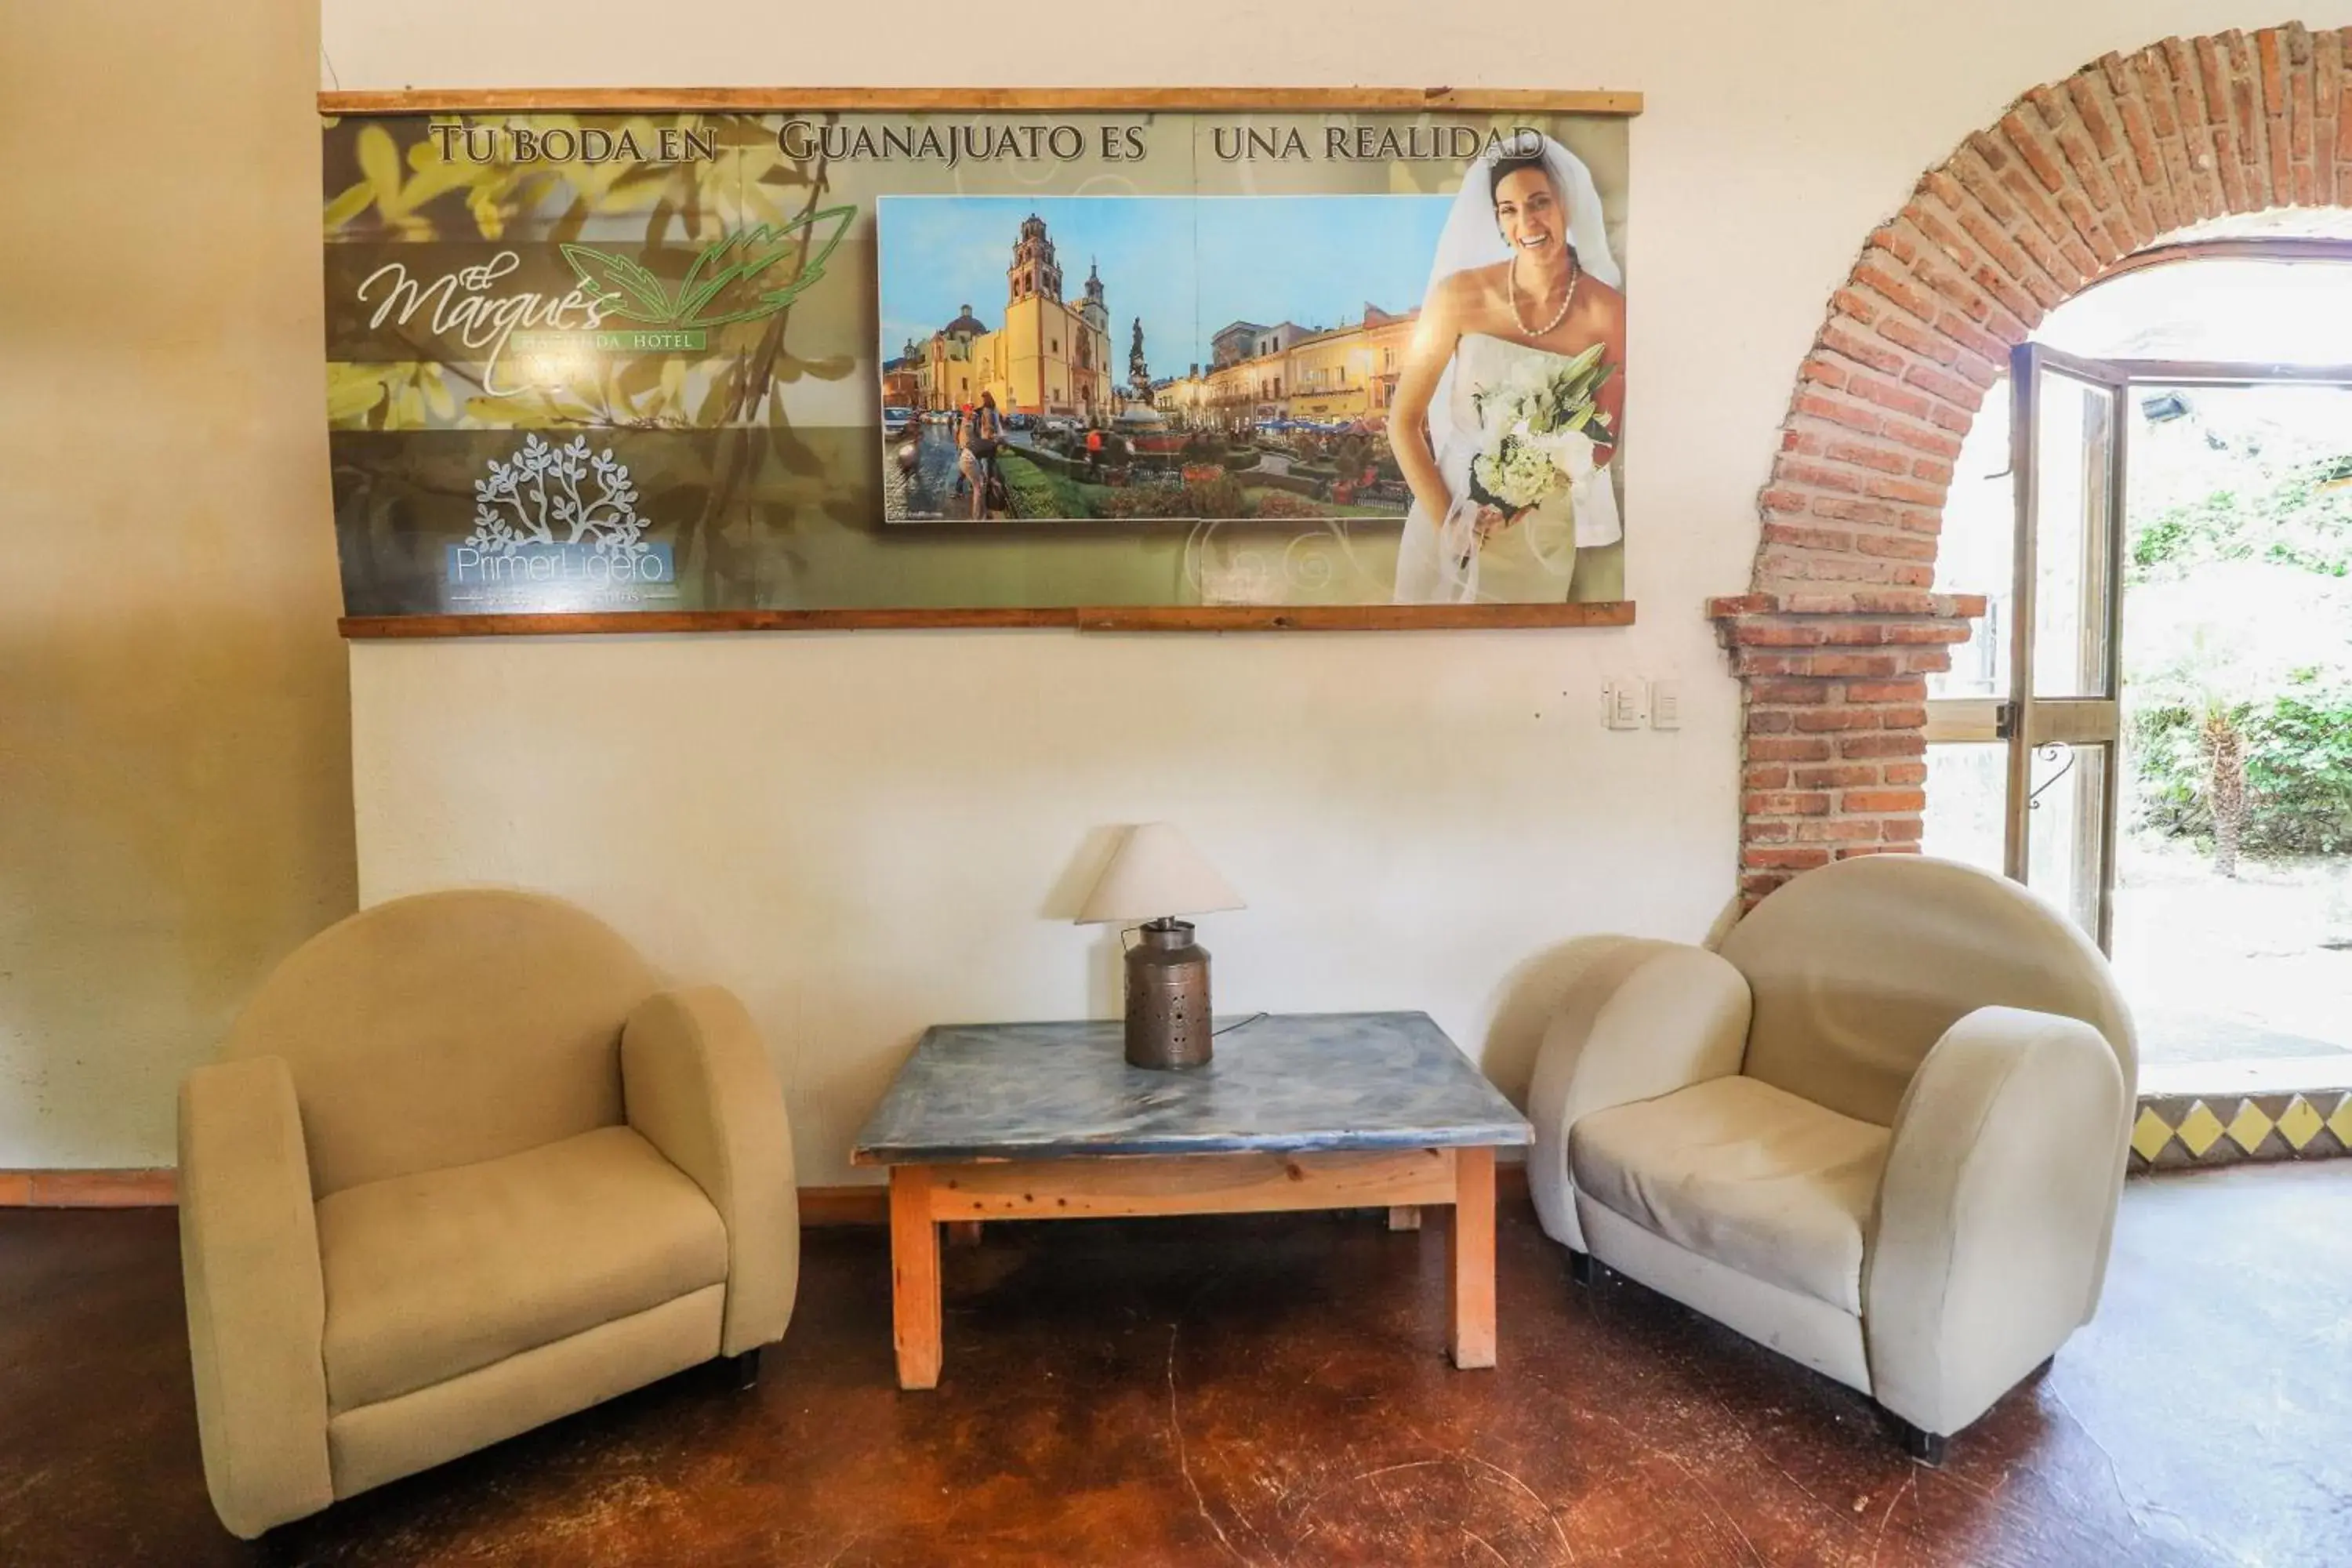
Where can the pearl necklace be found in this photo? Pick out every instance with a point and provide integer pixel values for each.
(1575, 276)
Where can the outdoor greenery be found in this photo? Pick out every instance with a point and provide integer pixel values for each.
(1282, 503)
(1220, 497)
(1037, 493)
(2300, 517)
(2241, 740)
(2295, 748)
(1043, 486)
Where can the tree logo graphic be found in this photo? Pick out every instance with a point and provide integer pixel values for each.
(547, 494)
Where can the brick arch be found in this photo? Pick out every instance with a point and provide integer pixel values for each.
(1836, 639)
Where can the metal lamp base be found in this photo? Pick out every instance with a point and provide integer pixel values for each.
(1168, 998)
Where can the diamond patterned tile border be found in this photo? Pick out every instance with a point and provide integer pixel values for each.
(2178, 1132)
(2250, 1126)
(2301, 1124)
(2200, 1130)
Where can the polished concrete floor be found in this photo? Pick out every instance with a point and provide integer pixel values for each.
(1273, 1391)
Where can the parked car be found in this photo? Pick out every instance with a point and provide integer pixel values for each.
(1019, 421)
(899, 422)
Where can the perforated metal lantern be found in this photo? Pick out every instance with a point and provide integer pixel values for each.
(1168, 998)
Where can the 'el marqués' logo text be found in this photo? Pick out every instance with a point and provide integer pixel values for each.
(740, 276)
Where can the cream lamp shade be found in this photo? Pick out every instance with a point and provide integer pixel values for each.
(1156, 872)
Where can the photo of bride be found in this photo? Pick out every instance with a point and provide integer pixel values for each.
(1509, 403)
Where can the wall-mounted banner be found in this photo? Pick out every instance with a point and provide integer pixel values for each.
(941, 360)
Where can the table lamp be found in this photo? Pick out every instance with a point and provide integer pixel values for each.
(1156, 876)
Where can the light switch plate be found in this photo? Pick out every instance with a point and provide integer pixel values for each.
(1621, 703)
(1665, 704)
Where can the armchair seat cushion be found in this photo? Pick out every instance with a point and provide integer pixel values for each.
(437, 1273)
(1750, 1177)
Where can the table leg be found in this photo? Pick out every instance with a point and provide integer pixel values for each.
(1470, 1259)
(914, 1277)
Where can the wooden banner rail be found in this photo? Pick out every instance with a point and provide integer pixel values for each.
(971, 99)
(1097, 618)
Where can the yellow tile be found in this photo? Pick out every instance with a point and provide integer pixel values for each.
(2340, 1123)
(2151, 1132)
(2200, 1130)
(2301, 1123)
(2250, 1126)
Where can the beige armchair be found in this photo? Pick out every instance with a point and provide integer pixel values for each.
(463, 1168)
(1882, 1131)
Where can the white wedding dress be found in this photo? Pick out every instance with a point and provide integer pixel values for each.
(1533, 560)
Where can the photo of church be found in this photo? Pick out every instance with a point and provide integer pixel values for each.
(1146, 389)
(1048, 355)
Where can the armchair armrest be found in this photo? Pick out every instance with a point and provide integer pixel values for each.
(1644, 1018)
(1994, 1214)
(256, 1301)
(696, 1084)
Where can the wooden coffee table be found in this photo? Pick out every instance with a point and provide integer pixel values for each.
(993, 1122)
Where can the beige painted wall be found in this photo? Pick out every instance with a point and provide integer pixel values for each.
(866, 833)
(174, 777)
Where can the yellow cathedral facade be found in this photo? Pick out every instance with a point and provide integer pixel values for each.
(1049, 356)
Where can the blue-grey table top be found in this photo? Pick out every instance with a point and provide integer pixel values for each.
(1276, 1083)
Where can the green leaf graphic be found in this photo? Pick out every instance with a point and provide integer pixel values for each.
(712, 293)
(734, 279)
(625, 288)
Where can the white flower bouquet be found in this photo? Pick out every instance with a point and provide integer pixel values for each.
(1542, 426)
